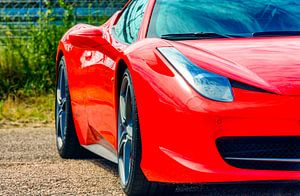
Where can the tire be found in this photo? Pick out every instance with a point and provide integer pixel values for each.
(66, 139)
(132, 178)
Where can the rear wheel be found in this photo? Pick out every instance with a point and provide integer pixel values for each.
(133, 180)
(66, 139)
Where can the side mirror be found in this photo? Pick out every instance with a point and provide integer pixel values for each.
(91, 38)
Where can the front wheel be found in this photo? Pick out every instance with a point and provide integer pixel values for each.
(132, 178)
(66, 139)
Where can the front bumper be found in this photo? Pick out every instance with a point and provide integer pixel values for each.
(179, 130)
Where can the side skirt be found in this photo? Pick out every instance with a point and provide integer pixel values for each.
(102, 151)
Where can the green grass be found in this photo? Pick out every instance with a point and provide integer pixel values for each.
(31, 110)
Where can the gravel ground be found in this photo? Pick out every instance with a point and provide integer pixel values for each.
(29, 165)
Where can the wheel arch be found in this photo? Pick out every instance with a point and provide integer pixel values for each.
(121, 67)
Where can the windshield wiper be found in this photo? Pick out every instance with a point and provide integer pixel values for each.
(276, 33)
(199, 35)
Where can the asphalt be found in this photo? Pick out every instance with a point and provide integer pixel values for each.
(30, 165)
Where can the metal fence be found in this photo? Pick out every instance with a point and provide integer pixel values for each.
(19, 14)
(26, 10)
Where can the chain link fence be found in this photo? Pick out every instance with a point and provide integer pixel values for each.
(18, 15)
(25, 10)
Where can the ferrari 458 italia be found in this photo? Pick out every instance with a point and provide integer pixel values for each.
(184, 91)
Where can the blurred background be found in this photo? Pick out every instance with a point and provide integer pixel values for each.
(29, 34)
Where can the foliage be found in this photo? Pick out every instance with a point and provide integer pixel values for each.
(31, 110)
(27, 61)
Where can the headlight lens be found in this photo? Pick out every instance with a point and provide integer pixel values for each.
(208, 84)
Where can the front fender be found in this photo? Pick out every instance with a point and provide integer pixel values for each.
(157, 86)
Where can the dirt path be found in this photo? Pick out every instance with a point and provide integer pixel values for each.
(29, 165)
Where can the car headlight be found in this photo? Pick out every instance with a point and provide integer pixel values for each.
(208, 84)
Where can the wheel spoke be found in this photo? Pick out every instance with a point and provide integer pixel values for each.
(58, 119)
(126, 158)
(60, 79)
(62, 83)
(58, 96)
(122, 141)
(62, 119)
(122, 110)
(128, 105)
(59, 142)
(63, 104)
(129, 129)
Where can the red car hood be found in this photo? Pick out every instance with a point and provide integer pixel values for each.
(272, 64)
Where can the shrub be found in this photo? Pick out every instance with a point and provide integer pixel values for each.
(27, 64)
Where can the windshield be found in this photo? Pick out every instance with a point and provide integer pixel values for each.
(233, 17)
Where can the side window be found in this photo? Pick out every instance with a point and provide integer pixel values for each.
(128, 26)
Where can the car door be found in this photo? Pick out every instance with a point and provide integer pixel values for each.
(100, 86)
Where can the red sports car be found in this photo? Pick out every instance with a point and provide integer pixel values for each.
(184, 91)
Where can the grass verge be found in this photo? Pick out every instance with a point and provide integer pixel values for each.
(29, 111)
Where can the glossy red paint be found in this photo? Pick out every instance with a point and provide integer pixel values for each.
(178, 126)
